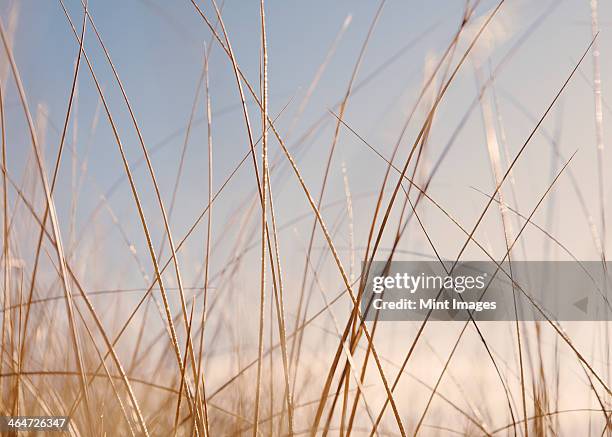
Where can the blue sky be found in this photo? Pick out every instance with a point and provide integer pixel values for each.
(157, 48)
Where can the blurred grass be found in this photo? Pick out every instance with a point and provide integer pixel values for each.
(280, 353)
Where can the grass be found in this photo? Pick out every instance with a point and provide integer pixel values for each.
(265, 336)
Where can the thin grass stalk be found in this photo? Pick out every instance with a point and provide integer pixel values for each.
(50, 207)
(137, 202)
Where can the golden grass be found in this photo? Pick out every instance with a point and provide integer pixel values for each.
(102, 359)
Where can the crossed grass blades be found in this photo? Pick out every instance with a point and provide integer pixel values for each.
(169, 358)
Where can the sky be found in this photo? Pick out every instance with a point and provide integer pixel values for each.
(158, 50)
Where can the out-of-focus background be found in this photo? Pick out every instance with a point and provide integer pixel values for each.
(149, 114)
